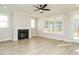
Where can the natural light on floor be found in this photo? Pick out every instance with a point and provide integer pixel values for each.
(61, 45)
(77, 50)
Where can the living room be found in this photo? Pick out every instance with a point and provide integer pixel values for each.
(31, 28)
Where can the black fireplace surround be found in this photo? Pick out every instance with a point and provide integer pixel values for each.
(23, 34)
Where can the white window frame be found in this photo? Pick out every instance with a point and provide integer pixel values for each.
(55, 21)
(7, 21)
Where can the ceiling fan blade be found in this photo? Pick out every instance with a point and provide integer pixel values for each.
(36, 7)
(46, 9)
(44, 5)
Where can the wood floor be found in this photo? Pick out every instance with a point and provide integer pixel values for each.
(38, 46)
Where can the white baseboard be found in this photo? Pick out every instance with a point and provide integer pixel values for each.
(5, 39)
(57, 39)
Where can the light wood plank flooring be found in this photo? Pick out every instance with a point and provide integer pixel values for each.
(38, 46)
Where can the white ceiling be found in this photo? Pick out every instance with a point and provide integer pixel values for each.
(28, 9)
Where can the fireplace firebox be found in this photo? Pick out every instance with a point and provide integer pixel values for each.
(23, 34)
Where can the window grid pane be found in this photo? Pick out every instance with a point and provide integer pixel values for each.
(54, 26)
(3, 21)
(3, 18)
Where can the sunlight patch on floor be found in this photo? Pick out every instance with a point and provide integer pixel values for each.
(61, 45)
(76, 50)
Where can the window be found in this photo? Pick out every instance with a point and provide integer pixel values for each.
(33, 22)
(46, 25)
(59, 26)
(54, 25)
(3, 21)
(75, 26)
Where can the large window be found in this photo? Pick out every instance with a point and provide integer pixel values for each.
(75, 26)
(54, 25)
(3, 21)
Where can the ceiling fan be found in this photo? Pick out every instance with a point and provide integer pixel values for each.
(41, 8)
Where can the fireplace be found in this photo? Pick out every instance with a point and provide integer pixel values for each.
(23, 34)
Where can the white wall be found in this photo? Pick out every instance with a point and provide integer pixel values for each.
(66, 36)
(20, 21)
(17, 20)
